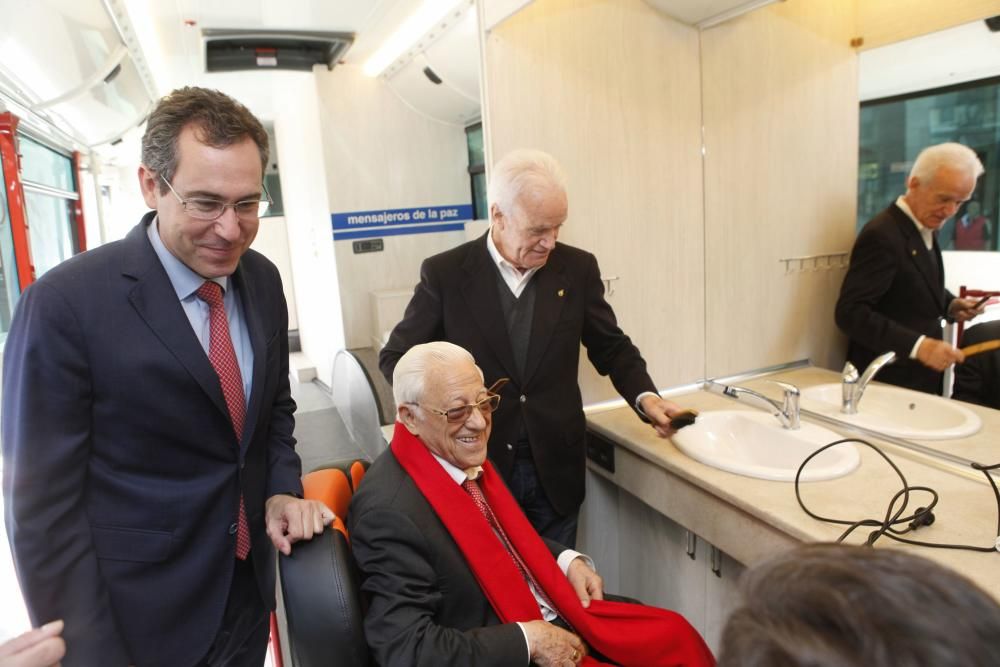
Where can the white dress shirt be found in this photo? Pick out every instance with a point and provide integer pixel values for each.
(927, 234)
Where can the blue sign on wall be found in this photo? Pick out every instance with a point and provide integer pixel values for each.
(392, 222)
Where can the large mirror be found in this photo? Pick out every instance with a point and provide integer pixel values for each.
(935, 88)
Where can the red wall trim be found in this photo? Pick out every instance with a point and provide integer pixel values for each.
(15, 198)
(81, 230)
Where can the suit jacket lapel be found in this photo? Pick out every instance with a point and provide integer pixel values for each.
(251, 316)
(155, 300)
(551, 286)
(921, 256)
(479, 289)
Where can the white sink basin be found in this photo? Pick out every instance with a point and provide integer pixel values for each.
(896, 411)
(754, 444)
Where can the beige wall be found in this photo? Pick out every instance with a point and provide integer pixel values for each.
(881, 22)
(381, 154)
(307, 217)
(272, 242)
(612, 90)
(781, 137)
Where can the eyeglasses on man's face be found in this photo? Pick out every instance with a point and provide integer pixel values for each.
(213, 209)
(486, 406)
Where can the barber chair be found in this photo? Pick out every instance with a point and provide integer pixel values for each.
(320, 585)
(356, 400)
(966, 293)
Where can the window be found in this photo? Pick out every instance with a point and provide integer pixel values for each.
(477, 169)
(894, 130)
(50, 198)
(272, 177)
(9, 286)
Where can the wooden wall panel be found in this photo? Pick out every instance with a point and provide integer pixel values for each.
(611, 88)
(881, 22)
(781, 135)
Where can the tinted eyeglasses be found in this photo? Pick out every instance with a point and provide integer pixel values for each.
(486, 406)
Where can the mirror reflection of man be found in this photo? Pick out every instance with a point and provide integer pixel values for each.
(522, 304)
(893, 296)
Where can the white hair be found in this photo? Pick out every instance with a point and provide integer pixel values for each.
(413, 368)
(519, 171)
(951, 155)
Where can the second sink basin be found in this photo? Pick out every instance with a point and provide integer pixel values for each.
(896, 411)
(754, 444)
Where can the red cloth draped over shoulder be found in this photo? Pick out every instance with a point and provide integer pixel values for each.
(629, 634)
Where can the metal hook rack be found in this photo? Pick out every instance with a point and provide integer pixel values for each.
(823, 262)
(608, 287)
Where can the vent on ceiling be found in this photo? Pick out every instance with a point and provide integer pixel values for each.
(234, 50)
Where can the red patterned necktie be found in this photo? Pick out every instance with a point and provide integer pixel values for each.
(471, 486)
(222, 356)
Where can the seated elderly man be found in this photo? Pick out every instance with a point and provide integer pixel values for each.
(454, 572)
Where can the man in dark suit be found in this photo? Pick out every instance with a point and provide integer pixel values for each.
(149, 463)
(454, 573)
(978, 379)
(522, 304)
(893, 296)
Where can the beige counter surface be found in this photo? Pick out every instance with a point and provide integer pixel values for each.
(751, 519)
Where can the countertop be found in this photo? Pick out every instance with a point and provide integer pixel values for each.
(751, 519)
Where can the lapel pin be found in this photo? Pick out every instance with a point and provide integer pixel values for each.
(913, 253)
(561, 292)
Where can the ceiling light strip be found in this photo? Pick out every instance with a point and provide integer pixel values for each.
(409, 33)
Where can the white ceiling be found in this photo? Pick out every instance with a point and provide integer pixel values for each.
(964, 53)
(177, 59)
(694, 12)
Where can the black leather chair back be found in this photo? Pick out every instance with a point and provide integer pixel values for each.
(321, 591)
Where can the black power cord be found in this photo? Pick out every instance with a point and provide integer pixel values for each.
(888, 526)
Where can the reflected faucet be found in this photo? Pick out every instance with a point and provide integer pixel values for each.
(853, 387)
(787, 412)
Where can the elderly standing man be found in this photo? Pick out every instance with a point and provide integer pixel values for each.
(893, 297)
(522, 304)
(454, 573)
(149, 464)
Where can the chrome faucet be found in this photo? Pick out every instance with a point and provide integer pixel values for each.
(853, 387)
(787, 411)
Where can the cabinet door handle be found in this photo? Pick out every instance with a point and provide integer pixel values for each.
(716, 558)
(692, 543)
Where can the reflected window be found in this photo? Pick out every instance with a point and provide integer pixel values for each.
(477, 169)
(895, 129)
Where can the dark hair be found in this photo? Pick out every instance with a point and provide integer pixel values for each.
(833, 605)
(221, 121)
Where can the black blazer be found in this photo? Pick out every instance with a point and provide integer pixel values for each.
(457, 300)
(122, 475)
(425, 607)
(892, 294)
(978, 379)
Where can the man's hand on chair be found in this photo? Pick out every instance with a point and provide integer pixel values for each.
(290, 519)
